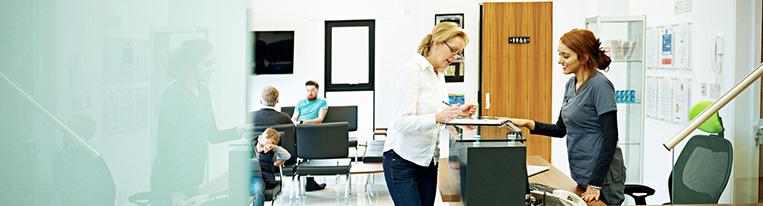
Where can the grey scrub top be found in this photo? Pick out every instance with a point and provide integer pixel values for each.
(580, 113)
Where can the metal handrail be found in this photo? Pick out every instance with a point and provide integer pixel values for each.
(717, 105)
(50, 116)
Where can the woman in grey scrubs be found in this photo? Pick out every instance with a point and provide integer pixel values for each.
(588, 118)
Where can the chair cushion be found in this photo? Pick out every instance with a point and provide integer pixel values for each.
(289, 169)
(272, 192)
(374, 151)
(353, 141)
(324, 166)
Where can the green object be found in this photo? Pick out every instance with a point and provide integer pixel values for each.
(711, 125)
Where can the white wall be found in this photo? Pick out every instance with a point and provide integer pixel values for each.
(746, 150)
(400, 25)
(709, 19)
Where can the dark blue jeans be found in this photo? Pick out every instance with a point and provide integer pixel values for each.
(409, 184)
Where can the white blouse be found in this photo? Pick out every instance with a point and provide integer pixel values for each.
(418, 95)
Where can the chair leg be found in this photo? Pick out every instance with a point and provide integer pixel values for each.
(291, 188)
(336, 179)
(299, 186)
(349, 187)
(356, 153)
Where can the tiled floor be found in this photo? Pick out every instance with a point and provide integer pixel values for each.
(334, 193)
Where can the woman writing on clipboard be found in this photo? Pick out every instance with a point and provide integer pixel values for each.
(410, 152)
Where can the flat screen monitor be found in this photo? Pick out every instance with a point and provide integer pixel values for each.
(273, 52)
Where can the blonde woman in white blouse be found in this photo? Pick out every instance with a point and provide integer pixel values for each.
(410, 152)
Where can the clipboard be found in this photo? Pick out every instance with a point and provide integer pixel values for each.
(478, 122)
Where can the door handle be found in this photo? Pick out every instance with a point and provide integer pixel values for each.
(487, 100)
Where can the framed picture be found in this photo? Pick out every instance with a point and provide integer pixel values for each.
(455, 71)
(455, 18)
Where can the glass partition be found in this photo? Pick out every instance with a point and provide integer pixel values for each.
(123, 102)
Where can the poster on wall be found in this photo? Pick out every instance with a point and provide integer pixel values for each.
(681, 43)
(455, 71)
(652, 48)
(665, 101)
(651, 97)
(666, 46)
(680, 100)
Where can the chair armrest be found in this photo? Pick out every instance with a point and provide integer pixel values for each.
(633, 189)
(280, 170)
(639, 193)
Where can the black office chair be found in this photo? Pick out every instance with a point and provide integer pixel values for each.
(288, 142)
(701, 171)
(288, 110)
(707, 160)
(322, 149)
(347, 114)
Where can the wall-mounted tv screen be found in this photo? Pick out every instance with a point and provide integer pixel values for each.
(273, 52)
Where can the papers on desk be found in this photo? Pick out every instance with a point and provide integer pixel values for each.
(478, 122)
(534, 170)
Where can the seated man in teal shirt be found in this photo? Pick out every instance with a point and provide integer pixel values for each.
(311, 111)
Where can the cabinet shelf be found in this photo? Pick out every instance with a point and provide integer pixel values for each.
(624, 37)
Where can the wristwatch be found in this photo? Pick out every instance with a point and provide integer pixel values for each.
(595, 187)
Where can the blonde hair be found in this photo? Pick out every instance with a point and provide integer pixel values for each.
(440, 33)
(270, 96)
(272, 134)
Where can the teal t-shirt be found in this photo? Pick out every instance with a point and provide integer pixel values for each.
(310, 109)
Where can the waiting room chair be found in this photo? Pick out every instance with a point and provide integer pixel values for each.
(288, 142)
(272, 193)
(322, 150)
(347, 114)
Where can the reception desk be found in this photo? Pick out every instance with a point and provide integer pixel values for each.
(450, 189)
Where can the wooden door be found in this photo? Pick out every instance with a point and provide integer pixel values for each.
(760, 151)
(516, 77)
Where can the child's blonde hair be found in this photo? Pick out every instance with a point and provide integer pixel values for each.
(272, 134)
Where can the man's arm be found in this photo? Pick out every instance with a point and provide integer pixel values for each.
(321, 115)
(294, 117)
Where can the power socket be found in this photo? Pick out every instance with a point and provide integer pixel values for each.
(703, 89)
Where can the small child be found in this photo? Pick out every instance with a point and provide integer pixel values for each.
(270, 156)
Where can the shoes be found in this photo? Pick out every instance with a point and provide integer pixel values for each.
(311, 185)
(315, 187)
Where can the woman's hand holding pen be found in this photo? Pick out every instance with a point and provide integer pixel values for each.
(447, 114)
(467, 110)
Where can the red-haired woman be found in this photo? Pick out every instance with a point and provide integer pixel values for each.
(588, 118)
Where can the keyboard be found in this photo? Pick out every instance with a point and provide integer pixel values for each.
(541, 188)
